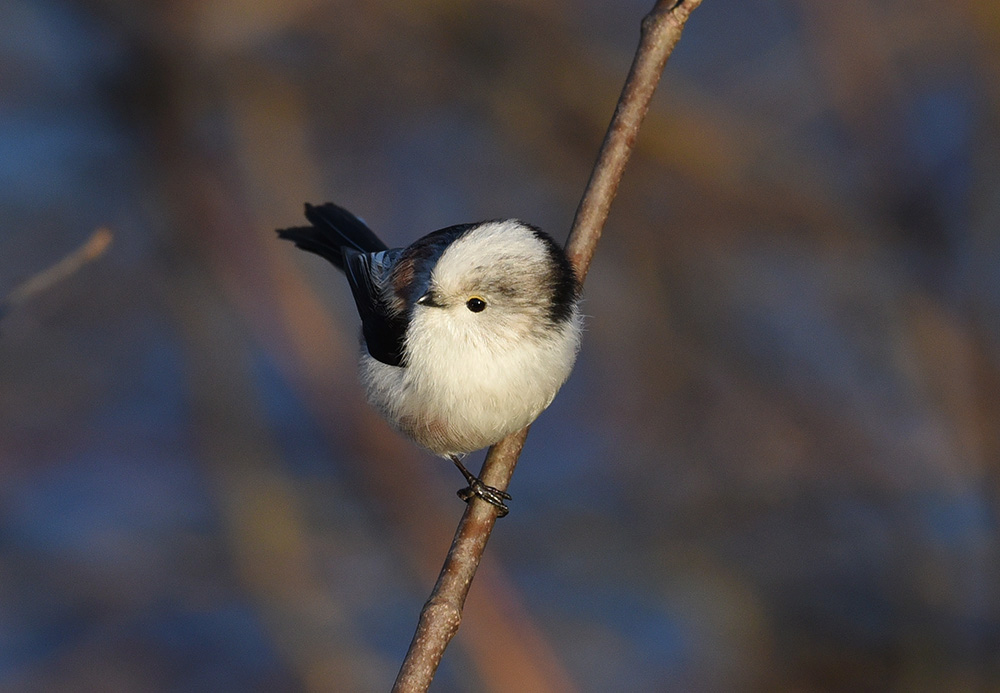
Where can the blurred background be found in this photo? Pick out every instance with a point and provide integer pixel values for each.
(776, 466)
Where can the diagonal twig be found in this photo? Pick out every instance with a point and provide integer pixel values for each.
(442, 614)
(93, 248)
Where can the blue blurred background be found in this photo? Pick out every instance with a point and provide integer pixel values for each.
(776, 467)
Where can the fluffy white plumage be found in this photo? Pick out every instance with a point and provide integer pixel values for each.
(467, 333)
(472, 378)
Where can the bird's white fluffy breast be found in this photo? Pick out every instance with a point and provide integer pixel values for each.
(473, 378)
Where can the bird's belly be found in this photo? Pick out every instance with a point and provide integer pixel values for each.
(454, 408)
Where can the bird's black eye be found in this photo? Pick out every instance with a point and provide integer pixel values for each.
(476, 304)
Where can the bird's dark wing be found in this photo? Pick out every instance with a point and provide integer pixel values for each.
(333, 229)
(348, 243)
(383, 316)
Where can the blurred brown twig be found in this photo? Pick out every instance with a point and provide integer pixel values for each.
(442, 614)
(93, 248)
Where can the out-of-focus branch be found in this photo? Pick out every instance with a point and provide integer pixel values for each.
(91, 250)
(287, 315)
(442, 614)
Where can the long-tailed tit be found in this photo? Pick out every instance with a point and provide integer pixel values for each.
(467, 334)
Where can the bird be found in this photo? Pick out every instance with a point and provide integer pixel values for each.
(467, 334)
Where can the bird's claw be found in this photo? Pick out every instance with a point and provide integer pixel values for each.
(493, 496)
(478, 489)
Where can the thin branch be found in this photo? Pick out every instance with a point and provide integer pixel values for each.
(442, 614)
(661, 30)
(91, 250)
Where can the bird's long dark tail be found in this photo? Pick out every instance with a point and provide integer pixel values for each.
(333, 228)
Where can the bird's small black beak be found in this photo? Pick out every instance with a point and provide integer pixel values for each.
(429, 299)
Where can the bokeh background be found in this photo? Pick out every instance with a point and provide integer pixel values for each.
(776, 467)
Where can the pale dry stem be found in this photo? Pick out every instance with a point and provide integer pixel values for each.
(93, 248)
